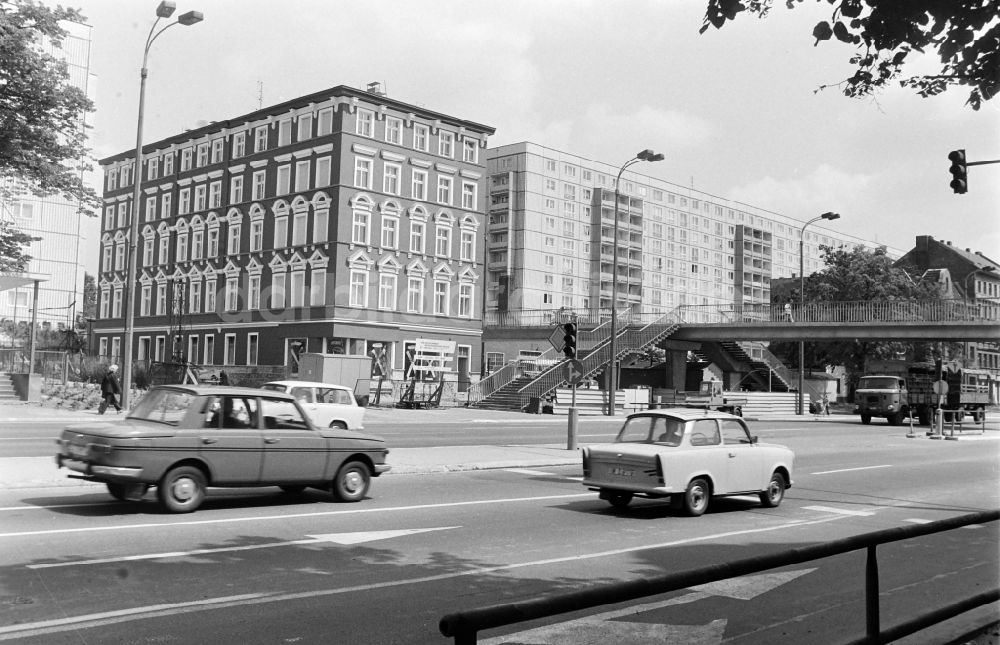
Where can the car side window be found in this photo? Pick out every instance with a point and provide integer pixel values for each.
(330, 395)
(705, 432)
(668, 431)
(239, 412)
(303, 394)
(213, 413)
(734, 432)
(282, 415)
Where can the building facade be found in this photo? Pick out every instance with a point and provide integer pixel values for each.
(54, 221)
(551, 238)
(340, 222)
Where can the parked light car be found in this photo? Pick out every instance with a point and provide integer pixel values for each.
(183, 439)
(330, 406)
(689, 456)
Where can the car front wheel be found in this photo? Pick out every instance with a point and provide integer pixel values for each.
(182, 489)
(352, 482)
(775, 491)
(866, 419)
(696, 497)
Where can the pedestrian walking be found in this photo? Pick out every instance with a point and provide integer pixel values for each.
(825, 404)
(110, 389)
(788, 312)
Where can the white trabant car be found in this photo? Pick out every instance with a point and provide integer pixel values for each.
(328, 406)
(689, 456)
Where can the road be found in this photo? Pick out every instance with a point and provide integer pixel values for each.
(258, 566)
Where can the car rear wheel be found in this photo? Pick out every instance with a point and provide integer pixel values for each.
(696, 497)
(619, 499)
(352, 482)
(182, 489)
(775, 491)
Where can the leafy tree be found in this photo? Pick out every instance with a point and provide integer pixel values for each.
(89, 309)
(13, 258)
(965, 34)
(858, 274)
(42, 130)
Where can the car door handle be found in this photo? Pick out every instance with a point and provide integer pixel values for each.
(209, 440)
(732, 454)
(271, 440)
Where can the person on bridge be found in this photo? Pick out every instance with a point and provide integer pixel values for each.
(788, 312)
(110, 389)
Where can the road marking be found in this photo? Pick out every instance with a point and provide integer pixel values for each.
(841, 511)
(264, 518)
(850, 470)
(86, 621)
(358, 537)
(598, 628)
(528, 471)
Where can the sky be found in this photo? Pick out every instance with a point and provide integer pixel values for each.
(735, 111)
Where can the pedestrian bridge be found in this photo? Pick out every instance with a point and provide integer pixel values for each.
(904, 320)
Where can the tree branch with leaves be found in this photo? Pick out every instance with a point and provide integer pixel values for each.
(965, 35)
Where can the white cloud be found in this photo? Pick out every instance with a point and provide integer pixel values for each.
(826, 188)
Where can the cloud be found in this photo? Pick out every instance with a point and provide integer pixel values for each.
(825, 188)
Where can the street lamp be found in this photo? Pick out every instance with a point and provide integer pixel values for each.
(165, 10)
(645, 155)
(802, 297)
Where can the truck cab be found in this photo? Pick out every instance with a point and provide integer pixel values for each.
(883, 396)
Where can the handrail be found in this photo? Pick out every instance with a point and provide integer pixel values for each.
(465, 626)
(774, 364)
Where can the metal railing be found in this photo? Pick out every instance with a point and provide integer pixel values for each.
(774, 364)
(949, 310)
(465, 626)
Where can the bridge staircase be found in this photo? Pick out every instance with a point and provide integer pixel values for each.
(781, 378)
(594, 355)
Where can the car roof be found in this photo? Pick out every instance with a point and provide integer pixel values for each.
(686, 414)
(208, 390)
(306, 384)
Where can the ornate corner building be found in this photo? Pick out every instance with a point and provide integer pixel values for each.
(336, 222)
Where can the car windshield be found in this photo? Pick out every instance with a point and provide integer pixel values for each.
(878, 383)
(163, 406)
(665, 431)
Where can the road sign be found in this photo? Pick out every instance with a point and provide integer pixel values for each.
(556, 338)
(940, 387)
(573, 371)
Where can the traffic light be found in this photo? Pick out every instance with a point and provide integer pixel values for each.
(569, 340)
(959, 171)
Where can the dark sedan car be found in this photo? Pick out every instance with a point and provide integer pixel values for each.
(183, 439)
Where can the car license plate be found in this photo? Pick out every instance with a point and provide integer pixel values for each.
(618, 471)
(77, 451)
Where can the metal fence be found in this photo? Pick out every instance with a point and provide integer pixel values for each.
(465, 626)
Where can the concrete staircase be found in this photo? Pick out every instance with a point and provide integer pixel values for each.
(507, 397)
(7, 393)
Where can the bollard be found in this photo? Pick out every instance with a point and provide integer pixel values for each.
(938, 428)
(573, 418)
(951, 436)
(910, 434)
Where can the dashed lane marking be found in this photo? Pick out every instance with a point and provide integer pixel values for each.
(839, 511)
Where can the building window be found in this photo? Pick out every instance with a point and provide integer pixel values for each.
(210, 296)
(390, 226)
(164, 249)
(470, 150)
(147, 253)
(387, 291)
(259, 178)
(284, 180)
(365, 123)
(233, 245)
(305, 127)
(359, 288)
(393, 130)
(284, 132)
(185, 159)
(321, 225)
(324, 124)
(256, 235)
(253, 292)
(230, 350)
(260, 138)
(239, 144)
(323, 172)
(297, 288)
(302, 169)
(236, 190)
(252, 342)
(417, 237)
(390, 178)
(182, 247)
(150, 209)
(300, 226)
(200, 197)
(209, 349)
(184, 202)
(446, 144)
(277, 291)
(213, 243)
(168, 164)
(280, 232)
(165, 202)
(161, 299)
(359, 229)
(217, 145)
(419, 185)
(444, 190)
(421, 136)
(467, 247)
(202, 154)
(442, 294)
(442, 241)
(465, 292)
(232, 294)
(146, 301)
(215, 194)
(415, 295)
(362, 173)
(468, 195)
(197, 242)
(317, 287)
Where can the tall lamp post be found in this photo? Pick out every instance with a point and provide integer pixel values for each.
(645, 155)
(165, 10)
(802, 298)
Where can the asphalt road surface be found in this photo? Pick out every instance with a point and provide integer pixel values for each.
(260, 566)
